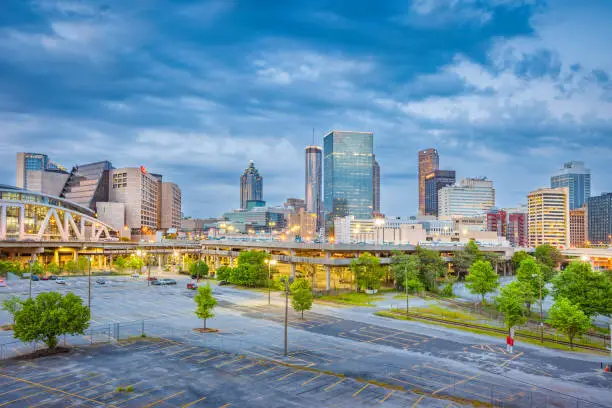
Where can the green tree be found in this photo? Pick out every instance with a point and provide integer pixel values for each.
(493, 258)
(83, 264)
(12, 305)
(548, 255)
(50, 315)
(589, 290)
(518, 257)
(37, 268)
(53, 268)
(405, 269)
(223, 273)
(135, 263)
(9, 266)
(481, 279)
(530, 277)
(251, 269)
(464, 258)
(568, 319)
(301, 295)
(205, 303)
(70, 266)
(199, 269)
(511, 304)
(367, 270)
(431, 267)
(120, 263)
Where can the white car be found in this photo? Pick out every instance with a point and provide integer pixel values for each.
(60, 281)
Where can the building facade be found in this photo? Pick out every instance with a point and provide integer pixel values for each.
(348, 175)
(599, 213)
(497, 221)
(517, 229)
(171, 206)
(31, 173)
(314, 182)
(578, 227)
(433, 184)
(577, 179)
(375, 186)
(548, 217)
(429, 161)
(472, 197)
(88, 184)
(251, 185)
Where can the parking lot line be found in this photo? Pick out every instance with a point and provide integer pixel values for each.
(356, 393)
(226, 405)
(159, 401)
(312, 379)
(510, 359)
(142, 394)
(181, 351)
(333, 385)
(193, 402)
(246, 367)
(197, 354)
(288, 375)
(230, 362)
(417, 401)
(387, 396)
(267, 370)
(23, 397)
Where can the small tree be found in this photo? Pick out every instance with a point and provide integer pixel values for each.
(12, 305)
(120, 263)
(568, 319)
(53, 268)
(405, 270)
(70, 266)
(223, 273)
(519, 257)
(511, 304)
(589, 290)
(199, 269)
(301, 296)
(548, 255)
(367, 270)
(135, 263)
(37, 268)
(83, 264)
(464, 258)
(530, 276)
(50, 315)
(205, 303)
(481, 279)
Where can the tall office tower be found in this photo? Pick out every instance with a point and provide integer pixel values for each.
(433, 183)
(88, 184)
(497, 221)
(35, 172)
(599, 213)
(578, 224)
(548, 217)
(295, 203)
(314, 182)
(139, 191)
(171, 205)
(517, 229)
(472, 197)
(429, 161)
(577, 179)
(251, 185)
(348, 175)
(375, 185)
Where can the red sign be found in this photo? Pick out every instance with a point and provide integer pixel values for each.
(143, 169)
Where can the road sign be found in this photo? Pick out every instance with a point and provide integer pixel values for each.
(27, 275)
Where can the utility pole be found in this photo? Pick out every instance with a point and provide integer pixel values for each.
(541, 321)
(89, 286)
(406, 287)
(286, 311)
(30, 262)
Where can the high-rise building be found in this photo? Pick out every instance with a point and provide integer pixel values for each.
(433, 183)
(348, 174)
(599, 213)
(497, 221)
(429, 161)
(517, 229)
(375, 185)
(314, 182)
(171, 205)
(251, 185)
(578, 227)
(472, 197)
(295, 203)
(139, 191)
(548, 217)
(577, 179)
(88, 184)
(35, 172)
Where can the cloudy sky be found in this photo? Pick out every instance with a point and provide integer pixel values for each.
(507, 89)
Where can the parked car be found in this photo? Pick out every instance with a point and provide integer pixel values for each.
(2, 284)
(52, 277)
(192, 285)
(35, 278)
(223, 283)
(135, 275)
(159, 282)
(60, 281)
(152, 278)
(44, 278)
(100, 281)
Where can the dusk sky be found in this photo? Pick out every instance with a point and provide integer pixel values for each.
(506, 89)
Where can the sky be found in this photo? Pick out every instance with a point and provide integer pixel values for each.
(508, 89)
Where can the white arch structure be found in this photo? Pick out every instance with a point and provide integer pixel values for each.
(26, 215)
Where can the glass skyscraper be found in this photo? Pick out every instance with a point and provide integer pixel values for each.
(429, 161)
(376, 186)
(433, 183)
(348, 167)
(577, 179)
(599, 214)
(314, 179)
(251, 185)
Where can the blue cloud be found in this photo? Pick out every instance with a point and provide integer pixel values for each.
(509, 89)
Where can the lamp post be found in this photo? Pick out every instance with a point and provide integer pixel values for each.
(89, 285)
(539, 275)
(30, 262)
(270, 262)
(406, 287)
(287, 281)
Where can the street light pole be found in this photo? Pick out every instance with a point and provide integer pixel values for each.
(286, 311)
(30, 262)
(89, 286)
(541, 322)
(406, 287)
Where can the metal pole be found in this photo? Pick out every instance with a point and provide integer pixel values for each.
(89, 287)
(30, 262)
(269, 266)
(541, 322)
(406, 287)
(286, 311)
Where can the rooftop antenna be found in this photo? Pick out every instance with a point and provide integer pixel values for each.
(313, 137)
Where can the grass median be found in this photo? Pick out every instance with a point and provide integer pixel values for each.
(351, 299)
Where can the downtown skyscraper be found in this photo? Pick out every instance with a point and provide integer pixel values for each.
(429, 161)
(314, 182)
(577, 179)
(348, 167)
(251, 185)
(376, 185)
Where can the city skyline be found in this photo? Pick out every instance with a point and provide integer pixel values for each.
(512, 97)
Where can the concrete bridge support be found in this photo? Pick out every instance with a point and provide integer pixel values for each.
(327, 278)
